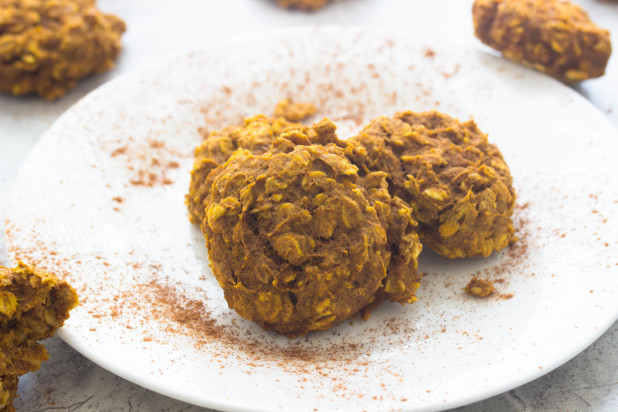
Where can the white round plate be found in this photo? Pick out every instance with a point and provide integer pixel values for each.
(100, 201)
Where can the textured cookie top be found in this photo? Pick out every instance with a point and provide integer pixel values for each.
(294, 238)
(456, 182)
(256, 135)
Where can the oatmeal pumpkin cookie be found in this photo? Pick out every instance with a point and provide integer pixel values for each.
(555, 37)
(46, 46)
(306, 5)
(457, 183)
(33, 304)
(300, 242)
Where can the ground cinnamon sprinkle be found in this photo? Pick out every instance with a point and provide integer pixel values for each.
(192, 318)
(453, 73)
(119, 151)
(150, 164)
(505, 296)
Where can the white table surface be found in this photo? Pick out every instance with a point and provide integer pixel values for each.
(158, 28)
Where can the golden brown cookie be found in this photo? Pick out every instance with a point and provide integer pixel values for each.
(457, 183)
(555, 37)
(46, 46)
(299, 243)
(33, 304)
